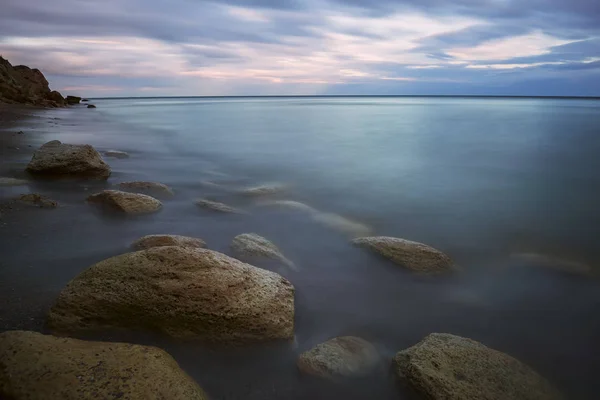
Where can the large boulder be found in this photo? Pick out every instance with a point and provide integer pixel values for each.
(58, 159)
(129, 203)
(415, 256)
(448, 367)
(250, 247)
(150, 188)
(38, 367)
(150, 241)
(340, 357)
(180, 292)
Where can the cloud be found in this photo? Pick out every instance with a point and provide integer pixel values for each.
(206, 47)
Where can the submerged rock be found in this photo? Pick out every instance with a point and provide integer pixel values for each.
(180, 292)
(263, 190)
(150, 188)
(415, 256)
(448, 367)
(250, 246)
(553, 263)
(341, 357)
(288, 204)
(91, 106)
(68, 160)
(342, 224)
(150, 241)
(37, 200)
(36, 366)
(4, 181)
(116, 154)
(219, 207)
(130, 203)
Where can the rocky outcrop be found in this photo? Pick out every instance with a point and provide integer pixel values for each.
(341, 357)
(35, 366)
(219, 207)
(23, 85)
(129, 203)
(5, 181)
(448, 367)
(116, 154)
(250, 246)
(415, 256)
(150, 241)
(73, 100)
(180, 292)
(61, 160)
(37, 200)
(150, 188)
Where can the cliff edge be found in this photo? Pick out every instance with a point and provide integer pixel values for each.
(23, 85)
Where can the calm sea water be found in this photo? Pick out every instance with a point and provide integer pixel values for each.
(479, 178)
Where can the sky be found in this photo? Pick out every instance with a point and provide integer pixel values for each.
(113, 48)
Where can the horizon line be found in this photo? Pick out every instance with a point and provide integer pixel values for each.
(347, 95)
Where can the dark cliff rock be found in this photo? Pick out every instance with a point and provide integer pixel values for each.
(73, 100)
(23, 85)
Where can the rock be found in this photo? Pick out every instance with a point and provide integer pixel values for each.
(415, 256)
(4, 181)
(23, 85)
(84, 100)
(150, 241)
(250, 246)
(553, 263)
(116, 154)
(150, 188)
(444, 366)
(288, 204)
(91, 106)
(72, 100)
(264, 190)
(37, 200)
(36, 366)
(341, 357)
(180, 292)
(342, 224)
(216, 206)
(129, 203)
(58, 159)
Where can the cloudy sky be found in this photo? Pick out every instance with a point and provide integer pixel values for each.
(268, 47)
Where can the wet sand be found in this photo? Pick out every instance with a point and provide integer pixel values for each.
(548, 320)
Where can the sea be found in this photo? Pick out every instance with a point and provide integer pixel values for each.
(509, 188)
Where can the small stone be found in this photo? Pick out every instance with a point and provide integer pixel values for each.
(91, 106)
(415, 256)
(219, 207)
(263, 190)
(250, 246)
(150, 188)
(129, 203)
(343, 225)
(37, 200)
(341, 357)
(116, 154)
